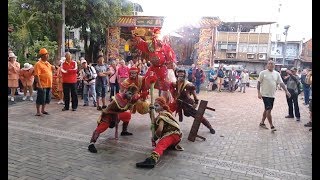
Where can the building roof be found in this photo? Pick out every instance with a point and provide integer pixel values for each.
(242, 60)
(140, 21)
(244, 25)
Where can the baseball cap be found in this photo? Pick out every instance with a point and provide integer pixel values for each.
(83, 61)
(43, 51)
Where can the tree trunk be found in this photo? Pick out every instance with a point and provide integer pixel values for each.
(58, 53)
(90, 51)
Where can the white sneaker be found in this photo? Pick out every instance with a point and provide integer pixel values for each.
(31, 98)
(60, 102)
(24, 98)
(12, 99)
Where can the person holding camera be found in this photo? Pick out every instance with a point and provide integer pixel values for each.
(293, 86)
(88, 74)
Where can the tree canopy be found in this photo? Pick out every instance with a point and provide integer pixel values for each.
(33, 20)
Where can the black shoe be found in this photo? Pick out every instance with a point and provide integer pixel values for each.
(263, 125)
(298, 119)
(94, 105)
(289, 116)
(65, 109)
(309, 124)
(103, 107)
(148, 163)
(74, 109)
(212, 131)
(85, 104)
(273, 128)
(92, 148)
(310, 129)
(99, 108)
(125, 133)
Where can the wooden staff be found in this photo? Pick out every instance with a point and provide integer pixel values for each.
(152, 114)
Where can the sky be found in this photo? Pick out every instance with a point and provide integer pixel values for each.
(296, 13)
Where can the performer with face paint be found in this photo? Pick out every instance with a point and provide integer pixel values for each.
(167, 132)
(183, 102)
(115, 111)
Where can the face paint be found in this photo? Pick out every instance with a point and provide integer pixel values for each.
(133, 75)
(129, 94)
(180, 78)
(157, 107)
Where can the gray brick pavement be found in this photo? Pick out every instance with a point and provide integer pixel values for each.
(55, 146)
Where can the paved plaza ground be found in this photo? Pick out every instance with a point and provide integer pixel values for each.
(55, 146)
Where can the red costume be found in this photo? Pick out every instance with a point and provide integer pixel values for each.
(183, 103)
(167, 132)
(115, 111)
(160, 54)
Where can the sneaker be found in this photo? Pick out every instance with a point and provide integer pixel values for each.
(298, 118)
(263, 125)
(92, 148)
(24, 98)
(273, 128)
(309, 124)
(65, 109)
(60, 102)
(12, 99)
(289, 116)
(31, 98)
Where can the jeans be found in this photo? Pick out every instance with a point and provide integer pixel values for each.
(67, 88)
(306, 92)
(232, 85)
(197, 84)
(244, 87)
(293, 101)
(89, 88)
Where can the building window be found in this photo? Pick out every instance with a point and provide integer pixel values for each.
(242, 47)
(232, 47)
(231, 55)
(222, 46)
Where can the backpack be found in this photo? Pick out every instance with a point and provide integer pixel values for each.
(220, 73)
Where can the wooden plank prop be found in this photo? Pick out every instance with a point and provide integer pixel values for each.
(196, 122)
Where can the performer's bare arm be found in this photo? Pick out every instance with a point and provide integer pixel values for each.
(160, 128)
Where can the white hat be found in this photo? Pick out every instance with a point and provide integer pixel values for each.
(27, 66)
(12, 55)
(83, 61)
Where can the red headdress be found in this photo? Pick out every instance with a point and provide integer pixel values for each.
(134, 69)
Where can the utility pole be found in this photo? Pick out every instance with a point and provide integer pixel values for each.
(63, 29)
(286, 28)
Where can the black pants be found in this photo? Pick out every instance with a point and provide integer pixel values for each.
(293, 101)
(67, 88)
(114, 86)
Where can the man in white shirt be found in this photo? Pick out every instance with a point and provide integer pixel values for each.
(267, 85)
